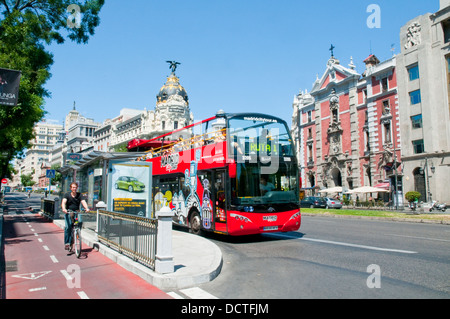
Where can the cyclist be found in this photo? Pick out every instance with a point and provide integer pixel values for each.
(71, 201)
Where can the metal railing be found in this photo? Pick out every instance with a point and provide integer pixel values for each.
(50, 207)
(131, 235)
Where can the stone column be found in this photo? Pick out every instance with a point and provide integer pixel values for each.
(164, 263)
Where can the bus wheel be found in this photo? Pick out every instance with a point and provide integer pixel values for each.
(195, 223)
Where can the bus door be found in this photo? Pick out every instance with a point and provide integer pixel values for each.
(219, 207)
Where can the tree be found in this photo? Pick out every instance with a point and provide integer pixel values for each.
(27, 180)
(25, 27)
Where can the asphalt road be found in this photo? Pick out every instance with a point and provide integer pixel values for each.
(337, 258)
(326, 258)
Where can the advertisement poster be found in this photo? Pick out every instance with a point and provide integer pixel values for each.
(9, 87)
(130, 186)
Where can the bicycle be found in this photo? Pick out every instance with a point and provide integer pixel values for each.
(76, 233)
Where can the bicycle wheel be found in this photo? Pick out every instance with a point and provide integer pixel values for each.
(77, 243)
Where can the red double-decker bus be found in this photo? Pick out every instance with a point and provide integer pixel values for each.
(234, 174)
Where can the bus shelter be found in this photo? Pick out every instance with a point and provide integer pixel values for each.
(91, 174)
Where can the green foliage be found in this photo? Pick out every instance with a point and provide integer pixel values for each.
(27, 180)
(25, 27)
(412, 196)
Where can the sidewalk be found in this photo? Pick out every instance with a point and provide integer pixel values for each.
(196, 259)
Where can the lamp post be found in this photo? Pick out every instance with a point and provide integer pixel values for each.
(430, 195)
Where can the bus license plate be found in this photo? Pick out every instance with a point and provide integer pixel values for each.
(268, 228)
(272, 218)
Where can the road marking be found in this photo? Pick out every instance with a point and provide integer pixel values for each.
(46, 247)
(346, 244)
(32, 229)
(426, 238)
(33, 276)
(40, 240)
(37, 289)
(197, 293)
(66, 275)
(53, 258)
(82, 295)
(35, 234)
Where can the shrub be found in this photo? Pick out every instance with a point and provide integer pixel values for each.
(412, 196)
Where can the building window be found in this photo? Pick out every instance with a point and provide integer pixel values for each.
(413, 72)
(419, 147)
(384, 84)
(175, 125)
(387, 132)
(416, 121)
(415, 97)
(309, 116)
(448, 79)
(446, 29)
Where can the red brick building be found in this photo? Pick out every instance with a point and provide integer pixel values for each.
(346, 129)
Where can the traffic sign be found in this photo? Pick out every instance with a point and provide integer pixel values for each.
(4, 181)
(50, 173)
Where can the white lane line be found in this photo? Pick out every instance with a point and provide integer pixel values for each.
(53, 258)
(415, 237)
(40, 240)
(35, 234)
(346, 244)
(66, 275)
(82, 295)
(197, 293)
(37, 289)
(46, 248)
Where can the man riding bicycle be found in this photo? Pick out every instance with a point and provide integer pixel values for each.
(71, 202)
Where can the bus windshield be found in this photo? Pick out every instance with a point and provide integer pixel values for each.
(258, 143)
(251, 187)
(260, 136)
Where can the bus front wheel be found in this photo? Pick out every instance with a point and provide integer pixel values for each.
(195, 223)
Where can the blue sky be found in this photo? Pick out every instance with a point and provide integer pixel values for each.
(246, 55)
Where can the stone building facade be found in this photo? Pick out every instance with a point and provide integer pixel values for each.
(424, 89)
(346, 129)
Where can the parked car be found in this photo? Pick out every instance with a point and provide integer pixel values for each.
(333, 203)
(313, 202)
(129, 183)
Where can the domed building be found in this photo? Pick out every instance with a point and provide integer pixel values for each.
(172, 105)
(171, 89)
(171, 113)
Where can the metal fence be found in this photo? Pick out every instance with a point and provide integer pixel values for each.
(50, 207)
(131, 235)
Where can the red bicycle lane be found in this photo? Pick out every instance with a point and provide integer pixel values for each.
(38, 267)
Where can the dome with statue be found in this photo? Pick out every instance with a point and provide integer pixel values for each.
(172, 89)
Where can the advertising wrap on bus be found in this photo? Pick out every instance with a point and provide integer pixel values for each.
(234, 174)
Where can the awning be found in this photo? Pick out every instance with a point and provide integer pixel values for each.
(332, 190)
(383, 185)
